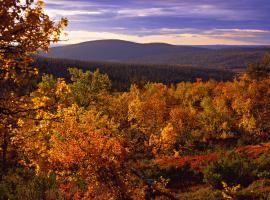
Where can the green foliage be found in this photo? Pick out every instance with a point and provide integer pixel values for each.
(263, 165)
(47, 83)
(177, 174)
(174, 174)
(20, 184)
(252, 195)
(86, 86)
(201, 194)
(215, 120)
(232, 169)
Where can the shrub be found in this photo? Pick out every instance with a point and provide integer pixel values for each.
(258, 190)
(201, 194)
(263, 165)
(25, 184)
(233, 169)
(177, 174)
(174, 174)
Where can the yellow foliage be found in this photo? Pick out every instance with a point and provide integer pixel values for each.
(228, 192)
(168, 136)
(24, 28)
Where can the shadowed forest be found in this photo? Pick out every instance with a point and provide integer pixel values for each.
(125, 131)
(122, 75)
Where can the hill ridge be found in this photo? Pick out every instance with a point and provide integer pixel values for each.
(158, 53)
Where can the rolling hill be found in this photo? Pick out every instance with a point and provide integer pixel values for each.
(158, 53)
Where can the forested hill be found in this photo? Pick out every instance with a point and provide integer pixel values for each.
(159, 53)
(123, 74)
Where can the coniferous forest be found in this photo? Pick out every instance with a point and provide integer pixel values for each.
(122, 131)
(122, 75)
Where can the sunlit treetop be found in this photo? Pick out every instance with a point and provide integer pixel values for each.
(24, 29)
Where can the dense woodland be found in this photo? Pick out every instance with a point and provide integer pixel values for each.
(77, 138)
(123, 75)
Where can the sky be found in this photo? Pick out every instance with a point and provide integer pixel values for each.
(181, 22)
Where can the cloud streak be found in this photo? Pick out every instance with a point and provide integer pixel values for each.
(181, 21)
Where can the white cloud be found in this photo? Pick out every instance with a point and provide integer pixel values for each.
(141, 12)
(220, 33)
(60, 12)
(185, 10)
(244, 30)
(70, 3)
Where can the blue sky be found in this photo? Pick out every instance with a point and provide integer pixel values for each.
(183, 22)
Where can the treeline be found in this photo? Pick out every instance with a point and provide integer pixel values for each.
(123, 75)
(227, 58)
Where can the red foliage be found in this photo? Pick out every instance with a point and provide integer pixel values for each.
(254, 150)
(194, 160)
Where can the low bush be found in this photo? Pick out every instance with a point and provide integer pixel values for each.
(174, 174)
(201, 194)
(233, 169)
(258, 190)
(263, 165)
(25, 184)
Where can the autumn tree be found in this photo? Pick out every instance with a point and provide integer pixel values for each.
(147, 112)
(24, 29)
(85, 148)
(215, 120)
(184, 122)
(250, 102)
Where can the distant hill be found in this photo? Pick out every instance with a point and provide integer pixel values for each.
(225, 57)
(116, 50)
(221, 46)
